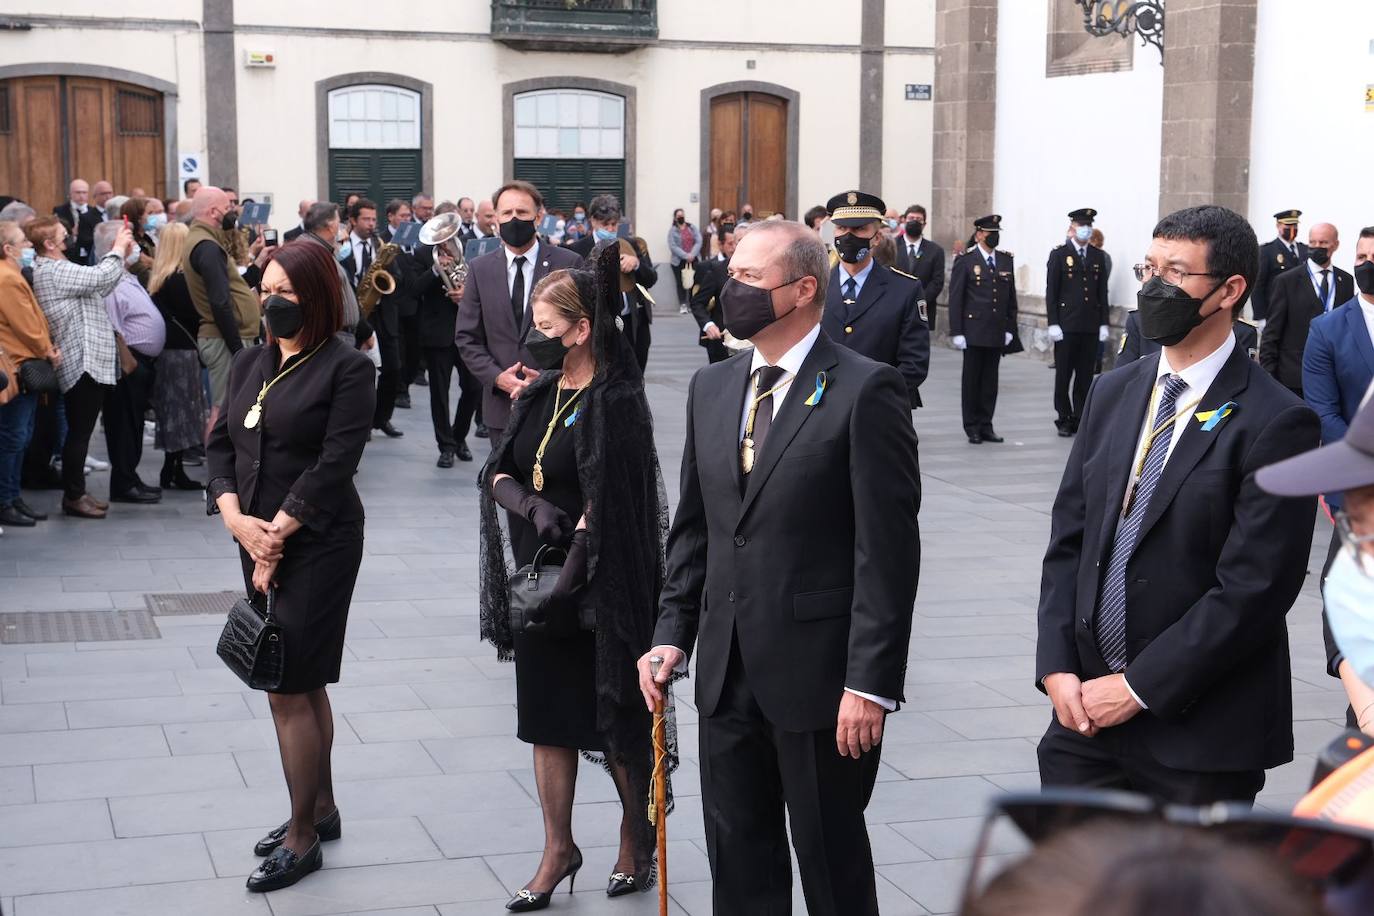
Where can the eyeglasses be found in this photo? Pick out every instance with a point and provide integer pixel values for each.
(1170, 275)
(1354, 543)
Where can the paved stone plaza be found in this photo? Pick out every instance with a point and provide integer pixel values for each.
(136, 775)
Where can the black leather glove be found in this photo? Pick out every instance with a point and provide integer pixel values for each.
(550, 522)
(558, 615)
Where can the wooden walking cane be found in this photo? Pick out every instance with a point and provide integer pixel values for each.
(658, 803)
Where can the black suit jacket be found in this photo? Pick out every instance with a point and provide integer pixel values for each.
(928, 266)
(982, 302)
(1293, 303)
(82, 230)
(438, 315)
(292, 234)
(813, 570)
(1076, 289)
(646, 275)
(887, 324)
(1217, 565)
(710, 279)
(1275, 259)
(488, 338)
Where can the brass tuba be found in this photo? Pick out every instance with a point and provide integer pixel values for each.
(377, 283)
(442, 233)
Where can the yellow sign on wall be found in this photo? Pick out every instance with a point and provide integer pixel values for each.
(1369, 97)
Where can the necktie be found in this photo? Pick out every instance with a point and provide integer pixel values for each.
(992, 263)
(1111, 614)
(911, 253)
(1326, 289)
(517, 292)
(761, 414)
(367, 258)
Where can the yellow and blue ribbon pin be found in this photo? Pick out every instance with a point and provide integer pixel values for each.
(572, 417)
(1210, 419)
(819, 393)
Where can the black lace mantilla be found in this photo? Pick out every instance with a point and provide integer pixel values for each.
(627, 523)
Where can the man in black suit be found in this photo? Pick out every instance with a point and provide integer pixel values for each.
(1276, 256)
(80, 218)
(1162, 640)
(982, 322)
(438, 322)
(1298, 296)
(405, 267)
(494, 314)
(364, 245)
(872, 309)
(792, 567)
(921, 258)
(638, 274)
(299, 229)
(1076, 308)
(705, 302)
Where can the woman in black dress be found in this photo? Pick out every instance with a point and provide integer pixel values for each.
(577, 470)
(178, 395)
(282, 458)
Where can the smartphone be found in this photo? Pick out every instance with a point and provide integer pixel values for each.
(269, 237)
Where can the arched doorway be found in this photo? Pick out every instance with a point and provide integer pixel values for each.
(56, 127)
(749, 136)
(375, 142)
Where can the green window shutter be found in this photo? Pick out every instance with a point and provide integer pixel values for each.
(565, 182)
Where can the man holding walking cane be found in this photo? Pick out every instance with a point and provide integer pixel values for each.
(792, 563)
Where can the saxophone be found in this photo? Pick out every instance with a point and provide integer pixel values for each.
(377, 283)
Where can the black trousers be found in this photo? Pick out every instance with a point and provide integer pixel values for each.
(440, 363)
(682, 291)
(412, 355)
(637, 328)
(1117, 758)
(980, 388)
(126, 403)
(1074, 356)
(389, 379)
(752, 774)
(716, 351)
(83, 401)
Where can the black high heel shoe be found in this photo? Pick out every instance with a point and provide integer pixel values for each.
(329, 827)
(621, 884)
(527, 901)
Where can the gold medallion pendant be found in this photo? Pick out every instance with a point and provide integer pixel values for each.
(537, 478)
(254, 415)
(746, 455)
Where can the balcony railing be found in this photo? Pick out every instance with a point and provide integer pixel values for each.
(575, 25)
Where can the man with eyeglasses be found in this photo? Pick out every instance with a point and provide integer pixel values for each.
(1133, 346)
(1162, 637)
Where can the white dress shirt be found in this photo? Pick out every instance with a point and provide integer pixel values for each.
(357, 245)
(1314, 271)
(1199, 377)
(528, 269)
(859, 279)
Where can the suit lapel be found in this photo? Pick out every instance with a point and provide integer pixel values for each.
(1195, 442)
(1129, 419)
(834, 303)
(726, 410)
(1359, 333)
(541, 270)
(791, 417)
(871, 292)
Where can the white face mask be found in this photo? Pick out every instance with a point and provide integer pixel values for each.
(1349, 597)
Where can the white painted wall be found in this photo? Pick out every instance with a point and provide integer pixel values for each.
(824, 22)
(126, 9)
(1070, 142)
(908, 138)
(910, 23)
(1311, 140)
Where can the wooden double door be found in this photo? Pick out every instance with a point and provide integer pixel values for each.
(749, 152)
(57, 128)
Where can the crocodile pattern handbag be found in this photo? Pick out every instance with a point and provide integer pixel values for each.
(251, 644)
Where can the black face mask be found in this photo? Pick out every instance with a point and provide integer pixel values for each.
(748, 309)
(517, 232)
(1320, 256)
(914, 228)
(1168, 314)
(851, 248)
(992, 240)
(284, 317)
(747, 214)
(1364, 277)
(680, 220)
(547, 352)
(227, 221)
(1288, 233)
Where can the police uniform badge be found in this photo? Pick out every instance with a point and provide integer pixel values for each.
(978, 270)
(1069, 260)
(1280, 257)
(853, 198)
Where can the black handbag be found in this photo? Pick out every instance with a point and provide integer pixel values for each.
(533, 584)
(37, 376)
(251, 644)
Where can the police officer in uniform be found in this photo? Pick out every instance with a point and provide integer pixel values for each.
(874, 310)
(1076, 306)
(1276, 256)
(982, 322)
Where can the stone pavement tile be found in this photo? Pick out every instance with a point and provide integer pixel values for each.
(32, 717)
(441, 798)
(381, 841)
(945, 670)
(108, 863)
(494, 832)
(346, 890)
(139, 776)
(467, 692)
(13, 667)
(239, 735)
(474, 721)
(468, 755)
(907, 728)
(1020, 624)
(55, 822)
(403, 725)
(403, 911)
(963, 647)
(197, 812)
(381, 610)
(16, 785)
(209, 680)
(1294, 777)
(960, 758)
(353, 700)
(407, 671)
(96, 687)
(226, 897)
(937, 885)
(1019, 691)
(1310, 736)
(122, 582)
(695, 898)
(429, 626)
(922, 799)
(445, 607)
(86, 744)
(953, 695)
(594, 784)
(418, 647)
(156, 710)
(19, 598)
(350, 762)
(1003, 722)
(1026, 781)
(1318, 704)
(957, 837)
(890, 847)
(116, 661)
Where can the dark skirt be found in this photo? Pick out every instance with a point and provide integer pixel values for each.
(314, 590)
(179, 400)
(555, 691)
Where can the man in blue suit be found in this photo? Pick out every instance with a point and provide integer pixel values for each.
(1337, 368)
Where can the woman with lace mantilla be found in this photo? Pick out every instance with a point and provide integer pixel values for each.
(577, 470)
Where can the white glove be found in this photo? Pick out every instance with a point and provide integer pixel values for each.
(960, 342)
(1102, 332)
(1006, 339)
(1056, 333)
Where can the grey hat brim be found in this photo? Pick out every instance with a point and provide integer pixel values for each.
(1330, 469)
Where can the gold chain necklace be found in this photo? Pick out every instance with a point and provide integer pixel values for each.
(558, 407)
(254, 415)
(746, 446)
